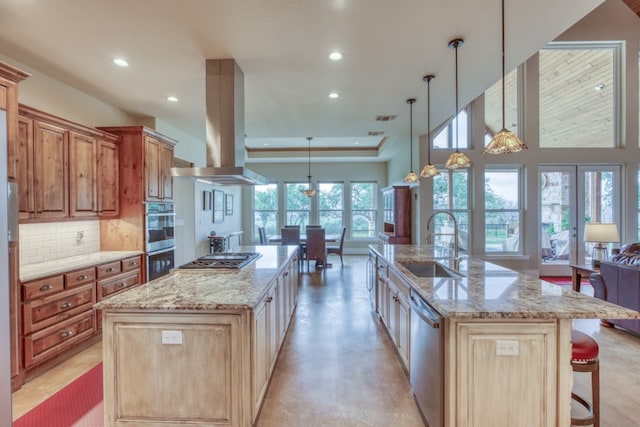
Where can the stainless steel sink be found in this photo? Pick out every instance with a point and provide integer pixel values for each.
(430, 269)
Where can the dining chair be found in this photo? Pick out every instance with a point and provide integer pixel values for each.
(337, 249)
(291, 236)
(314, 226)
(263, 236)
(292, 226)
(316, 247)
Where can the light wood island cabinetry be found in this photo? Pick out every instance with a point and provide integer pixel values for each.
(198, 347)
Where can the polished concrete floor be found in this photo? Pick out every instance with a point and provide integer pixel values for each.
(337, 366)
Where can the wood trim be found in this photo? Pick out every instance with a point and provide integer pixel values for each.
(138, 130)
(33, 113)
(11, 73)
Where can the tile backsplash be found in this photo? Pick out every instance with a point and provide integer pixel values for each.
(54, 240)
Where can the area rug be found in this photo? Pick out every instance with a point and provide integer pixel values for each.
(79, 404)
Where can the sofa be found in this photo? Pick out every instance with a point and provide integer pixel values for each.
(619, 282)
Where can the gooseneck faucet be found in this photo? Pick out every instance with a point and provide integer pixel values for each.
(431, 235)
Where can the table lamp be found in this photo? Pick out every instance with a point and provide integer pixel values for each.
(600, 233)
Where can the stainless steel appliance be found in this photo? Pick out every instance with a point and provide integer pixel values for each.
(236, 260)
(159, 263)
(159, 221)
(427, 360)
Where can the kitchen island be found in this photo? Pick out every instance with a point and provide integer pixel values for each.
(198, 346)
(505, 348)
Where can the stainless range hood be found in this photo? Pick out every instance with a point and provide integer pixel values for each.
(225, 128)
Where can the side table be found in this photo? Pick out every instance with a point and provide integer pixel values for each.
(577, 270)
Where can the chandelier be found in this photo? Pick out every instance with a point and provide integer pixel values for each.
(310, 191)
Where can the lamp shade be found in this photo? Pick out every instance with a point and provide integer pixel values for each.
(601, 233)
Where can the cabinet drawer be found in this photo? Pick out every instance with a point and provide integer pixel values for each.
(42, 287)
(106, 270)
(131, 263)
(79, 277)
(48, 342)
(46, 311)
(115, 284)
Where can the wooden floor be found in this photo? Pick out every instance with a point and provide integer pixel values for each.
(337, 366)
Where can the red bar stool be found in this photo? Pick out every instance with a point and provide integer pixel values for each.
(584, 358)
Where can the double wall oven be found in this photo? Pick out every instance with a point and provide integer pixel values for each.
(160, 242)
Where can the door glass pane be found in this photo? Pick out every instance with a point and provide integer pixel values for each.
(598, 202)
(555, 211)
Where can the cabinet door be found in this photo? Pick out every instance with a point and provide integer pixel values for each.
(108, 179)
(152, 168)
(165, 172)
(14, 309)
(403, 330)
(50, 183)
(82, 175)
(260, 356)
(25, 167)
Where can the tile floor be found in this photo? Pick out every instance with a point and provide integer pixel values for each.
(337, 366)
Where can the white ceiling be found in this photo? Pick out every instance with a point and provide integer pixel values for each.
(282, 46)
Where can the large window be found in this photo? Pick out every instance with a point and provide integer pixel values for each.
(265, 209)
(331, 206)
(578, 95)
(451, 193)
(493, 107)
(446, 137)
(503, 212)
(364, 208)
(297, 205)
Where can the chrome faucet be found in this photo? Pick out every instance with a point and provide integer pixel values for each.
(431, 236)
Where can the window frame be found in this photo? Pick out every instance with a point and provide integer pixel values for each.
(342, 202)
(374, 209)
(519, 209)
(254, 232)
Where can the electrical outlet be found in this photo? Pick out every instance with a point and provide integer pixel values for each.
(171, 337)
(507, 348)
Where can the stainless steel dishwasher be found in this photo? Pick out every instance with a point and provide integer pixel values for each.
(426, 372)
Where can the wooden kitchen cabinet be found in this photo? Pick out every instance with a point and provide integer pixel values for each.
(396, 215)
(108, 186)
(9, 79)
(50, 164)
(83, 175)
(158, 163)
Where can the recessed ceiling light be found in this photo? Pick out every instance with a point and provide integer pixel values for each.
(356, 143)
(266, 144)
(333, 95)
(172, 98)
(121, 62)
(335, 56)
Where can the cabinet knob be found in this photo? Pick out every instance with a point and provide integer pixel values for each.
(122, 285)
(109, 270)
(66, 334)
(65, 304)
(46, 287)
(82, 277)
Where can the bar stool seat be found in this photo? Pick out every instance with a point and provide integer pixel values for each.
(584, 358)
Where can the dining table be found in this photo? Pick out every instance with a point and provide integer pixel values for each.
(329, 238)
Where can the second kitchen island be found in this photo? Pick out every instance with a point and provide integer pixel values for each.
(197, 347)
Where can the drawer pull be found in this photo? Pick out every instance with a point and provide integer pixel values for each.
(122, 285)
(66, 334)
(66, 304)
(109, 270)
(82, 277)
(46, 287)
(132, 263)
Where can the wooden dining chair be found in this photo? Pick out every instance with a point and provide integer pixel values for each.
(338, 249)
(316, 247)
(263, 236)
(291, 236)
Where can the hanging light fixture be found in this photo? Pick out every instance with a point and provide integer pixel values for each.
(457, 160)
(309, 191)
(429, 171)
(411, 176)
(505, 141)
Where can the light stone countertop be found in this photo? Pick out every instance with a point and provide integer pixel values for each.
(63, 265)
(207, 289)
(493, 292)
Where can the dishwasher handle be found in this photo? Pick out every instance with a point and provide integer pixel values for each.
(426, 312)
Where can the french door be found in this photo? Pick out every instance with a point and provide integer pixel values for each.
(569, 197)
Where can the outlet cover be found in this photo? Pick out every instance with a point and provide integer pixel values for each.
(507, 348)
(171, 337)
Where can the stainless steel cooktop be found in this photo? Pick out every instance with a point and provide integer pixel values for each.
(235, 260)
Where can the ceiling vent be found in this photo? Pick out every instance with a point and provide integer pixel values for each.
(386, 118)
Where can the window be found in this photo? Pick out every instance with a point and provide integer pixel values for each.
(451, 193)
(493, 107)
(445, 138)
(363, 210)
(578, 95)
(503, 211)
(331, 206)
(297, 205)
(265, 209)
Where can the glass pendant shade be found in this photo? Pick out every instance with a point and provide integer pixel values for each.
(457, 160)
(429, 171)
(309, 191)
(411, 176)
(505, 141)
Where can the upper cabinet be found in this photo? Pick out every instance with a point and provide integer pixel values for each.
(64, 169)
(146, 158)
(396, 215)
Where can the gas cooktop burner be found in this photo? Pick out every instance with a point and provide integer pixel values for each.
(236, 260)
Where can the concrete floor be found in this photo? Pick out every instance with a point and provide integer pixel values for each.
(337, 366)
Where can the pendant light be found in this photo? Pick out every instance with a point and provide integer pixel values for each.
(457, 160)
(309, 191)
(505, 141)
(411, 176)
(429, 171)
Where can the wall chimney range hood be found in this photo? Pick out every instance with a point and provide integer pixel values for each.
(224, 128)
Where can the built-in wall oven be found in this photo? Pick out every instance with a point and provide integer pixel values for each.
(160, 240)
